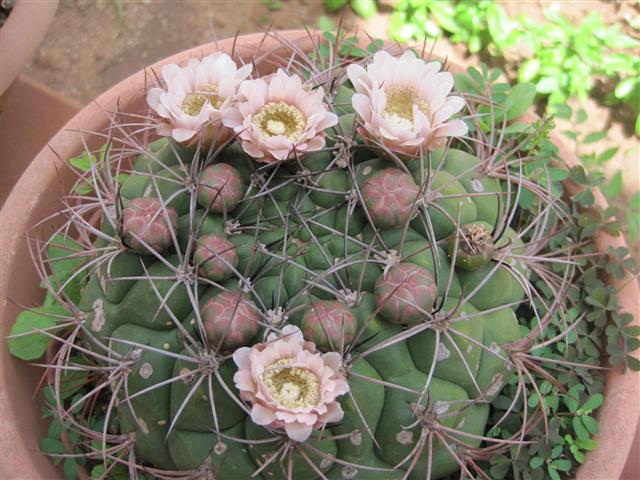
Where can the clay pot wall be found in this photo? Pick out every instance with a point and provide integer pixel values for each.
(37, 195)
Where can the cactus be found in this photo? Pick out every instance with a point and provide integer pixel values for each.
(229, 321)
(402, 271)
(389, 196)
(220, 188)
(474, 246)
(406, 294)
(146, 226)
(329, 324)
(216, 257)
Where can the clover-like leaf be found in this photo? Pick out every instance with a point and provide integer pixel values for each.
(26, 340)
(592, 403)
(521, 97)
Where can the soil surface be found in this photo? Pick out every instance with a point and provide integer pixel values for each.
(92, 45)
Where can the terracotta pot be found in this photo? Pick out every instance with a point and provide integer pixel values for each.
(21, 35)
(37, 195)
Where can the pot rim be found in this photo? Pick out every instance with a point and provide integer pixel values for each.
(28, 22)
(21, 459)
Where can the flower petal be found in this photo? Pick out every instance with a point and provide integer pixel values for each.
(182, 134)
(298, 431)
(261, 415)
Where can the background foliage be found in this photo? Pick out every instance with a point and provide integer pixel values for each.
(565, 61)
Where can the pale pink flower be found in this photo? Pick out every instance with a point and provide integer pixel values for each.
(289, 385)
(278, 117)
(404, 102)
(196, 96)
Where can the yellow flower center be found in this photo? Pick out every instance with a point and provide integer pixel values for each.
(400, 102)
(291, 387)
(194, 101)
(280, 118)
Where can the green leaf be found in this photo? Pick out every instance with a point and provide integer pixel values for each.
(375, 46)
(475, 75)
(590, 424)
(571, 135)
(595, 137)
(364, 8)
(325, 24)
(521, 97)
(70, 469)
(529, 70)
(562, 465)
(526, 199)
(70, 382)
(632, 331)
(97, 471)
(594, 402)
(324, 50)
(590, 444)
(52, 446)
(547, 85)
(121, 177)
(607, 155)
(83, 162)
(83, 188)
(558, 174)
(350, 48)
(64, 259)
(614, 187)
(632, 363)
(536, 462)
(463, 83)
(494, 75)
(581, 116)
(561, 110)
(579, 428)
(516, 128)
(31, 344)
(329, 37)
(625, 87)
(475, 44)
(571, 400)
(556, 451)
(553, 473)
(578, 175)
(63, 254)
(333, 5)
(55, 428)
(584, 198)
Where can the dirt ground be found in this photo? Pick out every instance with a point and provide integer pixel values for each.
(91, 45)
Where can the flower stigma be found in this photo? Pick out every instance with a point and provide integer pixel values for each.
(400, 102)
(194, 102)
(292, 387)
(280, 118)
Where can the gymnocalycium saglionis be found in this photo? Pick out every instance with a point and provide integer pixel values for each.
(358, 266)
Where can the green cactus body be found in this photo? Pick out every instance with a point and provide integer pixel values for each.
(356, 258)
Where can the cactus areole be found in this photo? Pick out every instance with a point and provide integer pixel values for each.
(313, 273)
